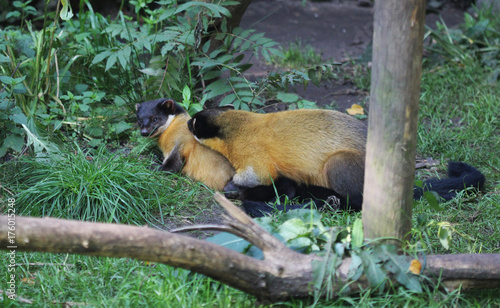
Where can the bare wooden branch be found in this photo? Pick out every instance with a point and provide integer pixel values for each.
(466, 270)
(282, 275)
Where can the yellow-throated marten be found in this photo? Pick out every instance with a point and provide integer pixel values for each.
(312, 148)
(166, 120)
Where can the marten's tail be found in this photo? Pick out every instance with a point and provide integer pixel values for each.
(460, 176)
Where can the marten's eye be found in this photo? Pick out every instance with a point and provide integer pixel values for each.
(139, 121)
(155, 120)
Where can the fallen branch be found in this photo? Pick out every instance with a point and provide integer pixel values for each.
(281, 275)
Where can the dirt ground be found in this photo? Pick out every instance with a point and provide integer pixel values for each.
(339, 29)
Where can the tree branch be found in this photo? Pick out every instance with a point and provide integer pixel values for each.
(283, 274)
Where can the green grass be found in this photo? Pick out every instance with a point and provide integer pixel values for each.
(459, 120)
(52, 280)
(98, 185)
(297, 55)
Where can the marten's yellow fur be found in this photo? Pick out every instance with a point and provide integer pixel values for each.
(313, 147)
(182, 152)
(200, 162)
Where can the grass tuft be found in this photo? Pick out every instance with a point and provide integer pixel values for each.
(94, 186)
(297, 55)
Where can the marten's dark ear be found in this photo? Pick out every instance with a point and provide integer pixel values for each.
(168, 105)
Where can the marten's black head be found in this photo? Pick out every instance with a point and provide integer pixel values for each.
(204, 124)
(155, 116)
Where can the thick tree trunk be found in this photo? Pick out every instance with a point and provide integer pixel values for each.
(282, 274)
(394, 98)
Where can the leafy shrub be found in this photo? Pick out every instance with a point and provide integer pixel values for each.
(82, 76)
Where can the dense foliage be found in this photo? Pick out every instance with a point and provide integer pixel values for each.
(82, 75)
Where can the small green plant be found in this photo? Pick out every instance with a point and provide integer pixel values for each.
(297, 56)
(22, 10)
(188, 103)
(89, 118)
(301, 230)
(295, 102)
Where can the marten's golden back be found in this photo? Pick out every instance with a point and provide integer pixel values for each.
(303, 145)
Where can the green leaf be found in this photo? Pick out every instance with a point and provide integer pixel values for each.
(19, 89)
(6, 79)
(186, 94)
(445, 234)
(236, 243)
(217, 88)
(124, 56)
(101, 56)
(6, 104)
(419, 183)
(299, 243)
(433, 198)
(4, 59)
(111, 61)
(121, 127)
(14, 14)
(84, 107)
(95, 131)
(119, 101)
(13, 141)
(39, 144)
(95, 142)
(399, 266)
(357, 234)
(19, 118)
(355, 268)
(194, 108)
(66, 12)
(292, 229)
(287, 97)
(373, 271)
(167, 14)
(228, 100)
(214, 9)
